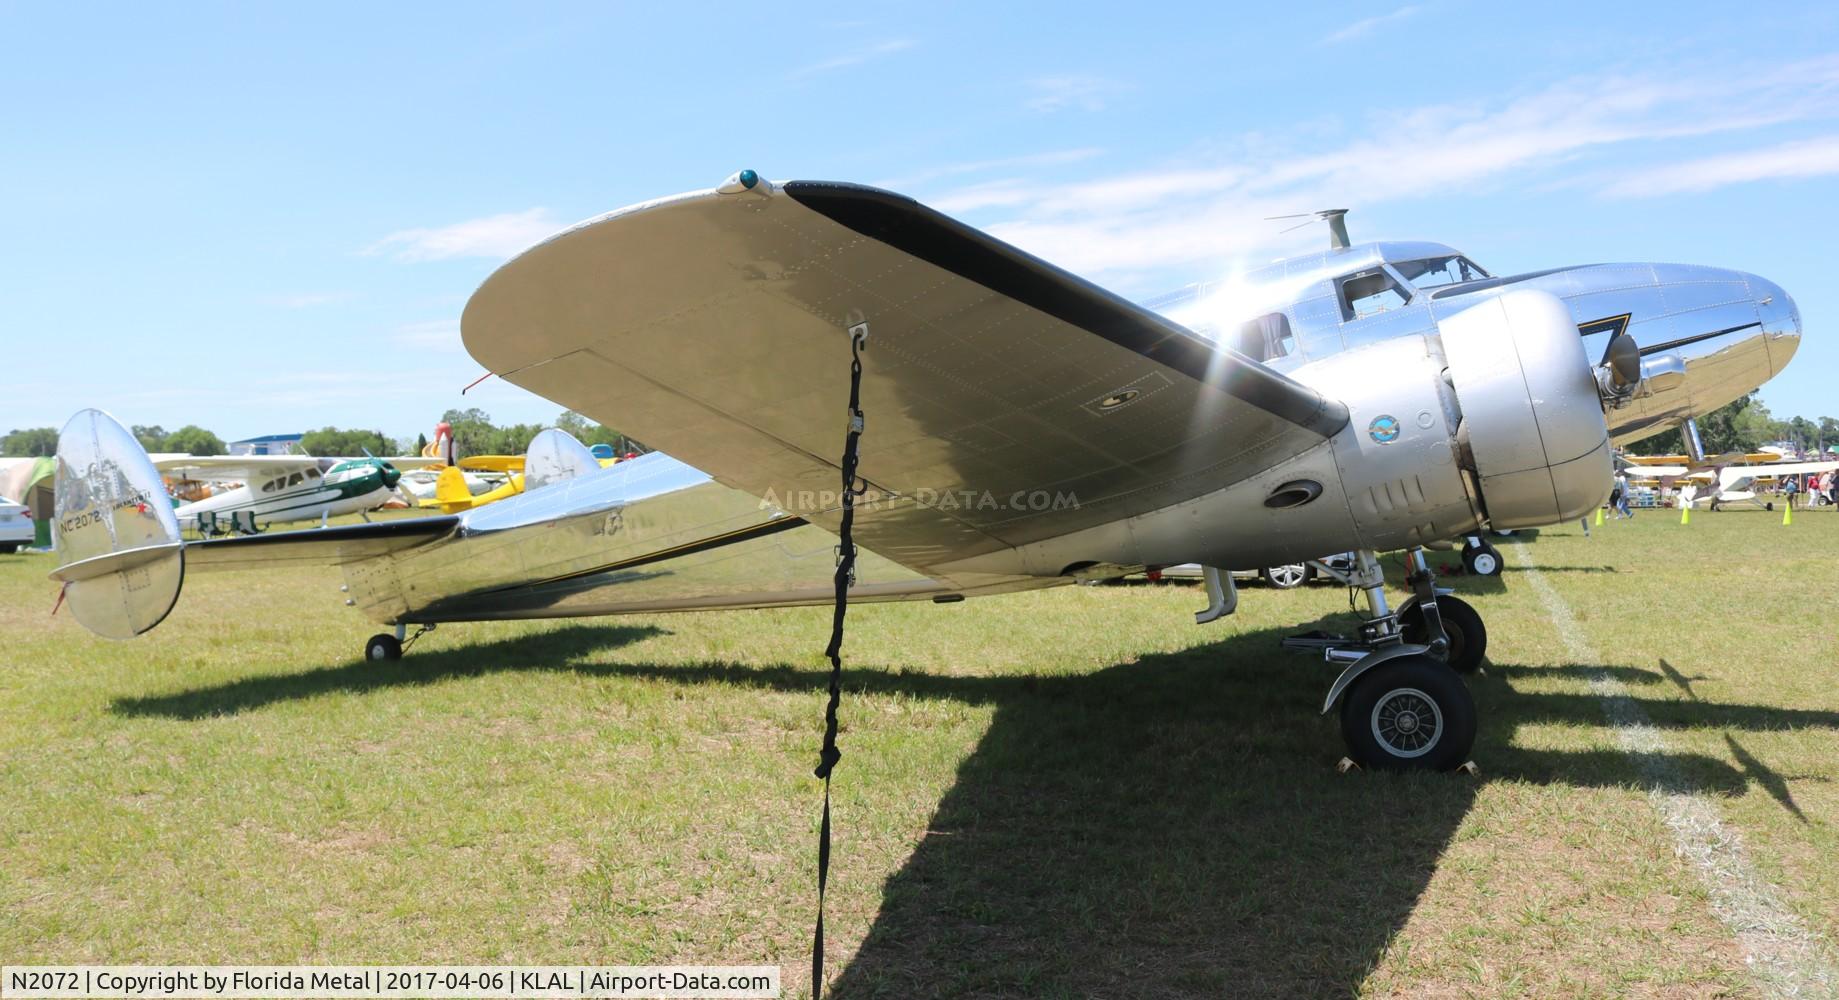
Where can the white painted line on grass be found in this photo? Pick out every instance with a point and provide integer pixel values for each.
(1784, 957)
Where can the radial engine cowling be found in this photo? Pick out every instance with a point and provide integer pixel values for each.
(1532, 429)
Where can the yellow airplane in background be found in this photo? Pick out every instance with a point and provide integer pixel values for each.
(1728, 458)
(451, 494)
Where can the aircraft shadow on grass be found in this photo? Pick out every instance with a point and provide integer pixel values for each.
(1168, 827)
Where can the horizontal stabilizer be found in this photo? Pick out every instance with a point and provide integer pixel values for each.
(332, 546)
(114, 562)
(120, 557)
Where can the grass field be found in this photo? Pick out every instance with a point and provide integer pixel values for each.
(1072, 793)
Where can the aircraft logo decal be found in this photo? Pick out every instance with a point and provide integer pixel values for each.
(1383, 429)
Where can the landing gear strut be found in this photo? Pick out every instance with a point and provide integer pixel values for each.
(1481, 558)
(385, 646)
(1403, 707)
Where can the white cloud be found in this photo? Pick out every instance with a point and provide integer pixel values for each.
(990, 194)
(1790, 160)
(497, 236)
(438, 333)
(1062, 93)
(1051, 158)
(854, 57)
(1210, 210)
(1361, 27)
(307, 300)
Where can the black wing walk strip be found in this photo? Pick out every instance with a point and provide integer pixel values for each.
(944, 242)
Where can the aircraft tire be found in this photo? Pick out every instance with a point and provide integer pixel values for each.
(382, 646)
(1287, 577)
(1468, 635)
(1484, 560)
(1410, 713)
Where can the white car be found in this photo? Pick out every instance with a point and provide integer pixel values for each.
(16, 528)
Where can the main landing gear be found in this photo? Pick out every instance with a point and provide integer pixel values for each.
(385, 646)
(1480, 557)
(1403, 704)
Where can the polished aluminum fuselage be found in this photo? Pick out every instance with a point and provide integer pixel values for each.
(654, 534)
(1731, 329)
(648, 534)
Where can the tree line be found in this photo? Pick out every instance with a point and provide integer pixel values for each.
(190, 439)
(1743, 425)
(473, 430)
(475, 434)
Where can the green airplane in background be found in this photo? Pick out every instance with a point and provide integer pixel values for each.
(282, 488)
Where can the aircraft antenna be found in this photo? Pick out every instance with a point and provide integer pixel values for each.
(1337, 225)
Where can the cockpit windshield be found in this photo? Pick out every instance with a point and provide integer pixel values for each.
(1435, 272)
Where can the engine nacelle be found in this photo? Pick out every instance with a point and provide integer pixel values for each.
(1532, 429)
(1492, 416)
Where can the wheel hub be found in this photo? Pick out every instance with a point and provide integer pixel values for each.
(1407, 722)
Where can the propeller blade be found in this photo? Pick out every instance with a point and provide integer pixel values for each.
(1623, 356)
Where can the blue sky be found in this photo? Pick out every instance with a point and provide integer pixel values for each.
(261, 218)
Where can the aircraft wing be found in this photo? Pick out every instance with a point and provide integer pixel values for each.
(227, 467)
(493, 463)
(409, 463)
(1776, 471)
(1006, 400)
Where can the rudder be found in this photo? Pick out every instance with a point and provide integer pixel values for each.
(120, 557)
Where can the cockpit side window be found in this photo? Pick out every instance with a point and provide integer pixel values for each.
(1267, 338)
(1365, 293)
(1435, 272)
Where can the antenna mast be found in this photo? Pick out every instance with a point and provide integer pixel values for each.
(1337, 225)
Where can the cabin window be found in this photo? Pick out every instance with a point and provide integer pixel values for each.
(1365, 293)
(269, 487)
(1435, 272)
(1267, 338)
(294, 480)
(312, 473)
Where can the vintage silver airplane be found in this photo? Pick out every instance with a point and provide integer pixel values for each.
(1024, 428)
